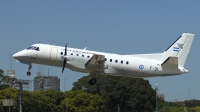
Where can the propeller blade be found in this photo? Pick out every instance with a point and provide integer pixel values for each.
(64, 65)
(65, 49)
(65, 59)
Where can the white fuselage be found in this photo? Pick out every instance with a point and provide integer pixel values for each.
(115, 64)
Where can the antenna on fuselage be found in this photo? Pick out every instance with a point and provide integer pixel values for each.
(85, 48)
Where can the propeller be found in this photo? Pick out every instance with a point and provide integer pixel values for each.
(65, 59)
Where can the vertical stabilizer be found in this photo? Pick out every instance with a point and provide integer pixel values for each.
(180, 48)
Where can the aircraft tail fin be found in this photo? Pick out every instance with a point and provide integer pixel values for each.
(180, 48)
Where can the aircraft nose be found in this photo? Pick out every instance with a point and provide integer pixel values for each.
(18, 55)
(15, 55)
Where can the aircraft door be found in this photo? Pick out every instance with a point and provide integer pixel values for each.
(54, 53)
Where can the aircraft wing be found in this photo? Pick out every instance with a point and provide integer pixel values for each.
(96, 62)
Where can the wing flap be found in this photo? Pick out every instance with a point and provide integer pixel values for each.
(96, 62)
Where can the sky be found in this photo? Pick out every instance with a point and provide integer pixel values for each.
(122, 27)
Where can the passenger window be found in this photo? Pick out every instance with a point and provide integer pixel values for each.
(116, 61)
(105, 59)
(127, 62)
(82, 55)
(71, 53)
(77, 55)
(110, 60)
(88, 56)
(61, 53)
(121, 62)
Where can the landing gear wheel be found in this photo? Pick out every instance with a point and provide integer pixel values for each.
(92, 81)
(28, 73)
(29, 68)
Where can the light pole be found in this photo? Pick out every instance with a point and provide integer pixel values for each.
(156, 97)
(67, 102)
(21, 82)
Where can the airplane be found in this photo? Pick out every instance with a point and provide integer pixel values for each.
(168, 63)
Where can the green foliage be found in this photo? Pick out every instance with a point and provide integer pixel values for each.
(80, 101)
(55, 97)
(1, 72)
(106, 96)
(192, 103)
(8, 93)
(5, 81)
(194, 109)
(127, 93)
(43, 101)
(176, 107)
(52, 101)
(170, 106)
(171, 109)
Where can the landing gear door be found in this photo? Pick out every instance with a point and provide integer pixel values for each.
(54, 53)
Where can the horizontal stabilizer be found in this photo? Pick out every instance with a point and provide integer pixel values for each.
(171, 61)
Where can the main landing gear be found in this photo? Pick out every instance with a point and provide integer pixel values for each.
(29, 68)
(93, 80)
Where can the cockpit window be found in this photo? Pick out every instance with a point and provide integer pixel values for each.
(33, 48)
(37, 48)
(30, 47)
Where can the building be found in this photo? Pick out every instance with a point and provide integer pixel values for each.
(42, 83)
(11, 73)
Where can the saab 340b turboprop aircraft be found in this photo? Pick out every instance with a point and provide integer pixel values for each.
(170, 62)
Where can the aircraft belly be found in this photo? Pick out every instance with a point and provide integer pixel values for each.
(136, 74)
(139, 74)
(48, 62)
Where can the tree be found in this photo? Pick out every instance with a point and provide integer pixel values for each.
(6, 81)
(55, 98)
(49, 101)
(126, 93)
(1, 72)
(194, 109)
(9, 93)
(192, 103)
(80, 101)
(2, 85)
(34, 101)
(171, 106)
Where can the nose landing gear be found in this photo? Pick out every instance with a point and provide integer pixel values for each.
(28, 73)
(29, 68)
